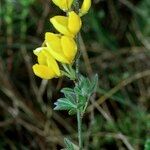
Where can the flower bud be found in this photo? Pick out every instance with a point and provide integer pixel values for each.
(69, 26)
(85, 7)
(65, 5)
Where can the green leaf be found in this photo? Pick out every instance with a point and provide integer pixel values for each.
(64, 104)
(94, 83)
(67, 103)
(85, 87)
(82, 101)
(67, 90)
(82, 91)
(69, 144)
(69, 94)
(147, 144)
(77, 90)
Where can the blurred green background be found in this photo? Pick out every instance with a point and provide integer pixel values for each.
(115, 44)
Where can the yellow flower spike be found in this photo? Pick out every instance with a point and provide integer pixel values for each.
(65, 5)
(69, 26)
(74, 22)
(85, 7)
(69, 47)
(43, 71)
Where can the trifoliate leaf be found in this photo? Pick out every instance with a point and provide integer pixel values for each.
(78, 97)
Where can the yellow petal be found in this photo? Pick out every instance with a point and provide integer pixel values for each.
(45, 58)
(74, 22)
(51, 62)
(61, 24)
(53, 42)
(43, 72)
(63, 4)
(49, 36)
(59, 57)
(38, 50)
(69, 47)
(42, 58)
(85, 7)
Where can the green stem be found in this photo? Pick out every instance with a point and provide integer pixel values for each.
(79, 120)
(79, 117)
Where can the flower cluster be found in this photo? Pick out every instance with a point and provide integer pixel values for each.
(60, 47)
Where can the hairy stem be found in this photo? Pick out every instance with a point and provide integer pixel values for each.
(79, 120)
(79, 117)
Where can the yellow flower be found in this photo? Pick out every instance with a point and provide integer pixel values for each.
(85, 7)
(69, 26)
(63, 4)
(62, 48)
(47, 67)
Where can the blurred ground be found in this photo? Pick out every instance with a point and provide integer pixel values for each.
(115, 44)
